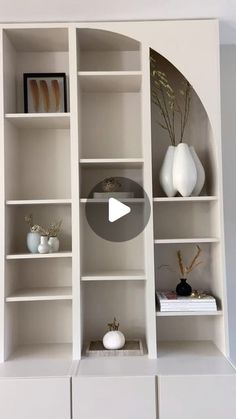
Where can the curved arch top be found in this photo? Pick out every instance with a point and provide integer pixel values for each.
(191, 46)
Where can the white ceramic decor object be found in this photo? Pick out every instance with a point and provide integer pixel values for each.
(184, 170)
(44, 246)
(33, 240)
(166, 172)
(200, 172)
(54, 244)
(113, 340)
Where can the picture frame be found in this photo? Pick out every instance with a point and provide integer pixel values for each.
(45, 92)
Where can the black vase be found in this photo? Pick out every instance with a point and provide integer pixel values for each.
(183, 289)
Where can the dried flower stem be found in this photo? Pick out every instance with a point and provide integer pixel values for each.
(166, 98)
(184, 269)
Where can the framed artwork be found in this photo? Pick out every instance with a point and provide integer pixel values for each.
(44, 92)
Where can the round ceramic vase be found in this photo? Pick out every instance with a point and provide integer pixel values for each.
(54, 244)
(33, 241)
(184, 170)
(166, 173)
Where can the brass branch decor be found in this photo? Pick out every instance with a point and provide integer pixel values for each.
(186, 269)
(174, 104)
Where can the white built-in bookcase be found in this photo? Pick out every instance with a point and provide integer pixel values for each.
(53, 304)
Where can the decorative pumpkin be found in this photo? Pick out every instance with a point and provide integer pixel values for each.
(114, 339)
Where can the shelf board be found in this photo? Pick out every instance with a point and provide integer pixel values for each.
(39, 360)
(39, 256)
(39, 120)
(112, 163)
(126, 200)
(174, 358)
(39, 202)
(188, 313)
(129, 275)
(110, 81)
(186, 199)
(41, 294)
(192, 240)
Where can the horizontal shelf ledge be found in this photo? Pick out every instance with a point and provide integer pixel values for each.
(188, 313)
(39, 255)
(39, 120)
(111, 163)
(110, 81)
(41, 294)
(193, 240)
(128, 275)
(101, 201)
(39, 202)
(186, 199)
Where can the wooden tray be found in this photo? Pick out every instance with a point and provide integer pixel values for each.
(132, 348)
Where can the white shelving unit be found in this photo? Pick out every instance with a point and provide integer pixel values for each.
(51, 163)
(52, 305)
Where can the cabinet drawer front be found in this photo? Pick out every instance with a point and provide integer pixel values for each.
(114, 397)
(197, 397)
(47, 398)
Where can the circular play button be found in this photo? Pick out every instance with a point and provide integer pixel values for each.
(117, 209)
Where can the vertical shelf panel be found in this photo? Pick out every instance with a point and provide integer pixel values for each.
(75, 206)
(147, 183)
(2, 205)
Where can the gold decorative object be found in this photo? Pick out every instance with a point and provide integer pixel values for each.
(186, 269)
(111, 184)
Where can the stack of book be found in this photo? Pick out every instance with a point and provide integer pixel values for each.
(170, 301)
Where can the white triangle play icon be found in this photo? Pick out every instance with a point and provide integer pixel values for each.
(117, 210)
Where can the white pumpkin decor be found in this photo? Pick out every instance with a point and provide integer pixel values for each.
(114, 339)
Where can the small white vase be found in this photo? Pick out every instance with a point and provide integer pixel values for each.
(44, 246)
(166, 172)
(113, 340)
(200, 172)
(33, 240)
(184, 170)
(54, 244)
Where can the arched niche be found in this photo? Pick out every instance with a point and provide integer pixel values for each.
(198, 132)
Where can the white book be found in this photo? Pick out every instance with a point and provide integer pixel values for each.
(170, 301)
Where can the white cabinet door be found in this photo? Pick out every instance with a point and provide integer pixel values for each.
(197, 397)
(46, 398)
(114, 397)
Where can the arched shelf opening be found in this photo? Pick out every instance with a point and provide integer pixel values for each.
(102, 50)
(198, 132)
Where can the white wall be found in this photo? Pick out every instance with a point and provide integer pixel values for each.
(105, 10)
(228, 103)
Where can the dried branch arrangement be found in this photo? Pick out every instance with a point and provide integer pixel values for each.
(174, 104)
(113, 326)
(186, 269)
(52, 231)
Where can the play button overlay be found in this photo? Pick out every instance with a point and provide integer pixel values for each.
(117, 209)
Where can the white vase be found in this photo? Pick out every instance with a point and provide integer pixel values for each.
(33, 240)
(54, 244)
(113, 340)
(44, 246)
(166, 172)
(184, 170)
(200, 172)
